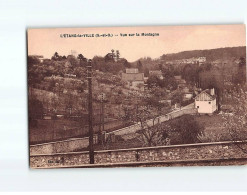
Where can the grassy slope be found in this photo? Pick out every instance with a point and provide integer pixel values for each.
(213, 125)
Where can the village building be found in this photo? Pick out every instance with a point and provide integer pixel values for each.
(188, 96)
(157, 73)
(134, 79)
(145, 79)
(205, 102)
(168, 102)
(131, 70)
(181, 82)
(194, 60)
(69, 75)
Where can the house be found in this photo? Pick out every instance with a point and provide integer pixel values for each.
(205, 102)
(157, 73)
(69, 75)
(179, 79)
(134, 79)
(181, 82)
(145, 79)
(188, 96)
(186, 90)
(131, 70)
(168, 102)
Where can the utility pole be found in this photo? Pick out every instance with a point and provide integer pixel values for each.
(90, 111)
(102, 108)
(101, 98)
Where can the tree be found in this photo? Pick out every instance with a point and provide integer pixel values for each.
(109, 57)
(146, 72)
(177, 98)
(240, 78)
(127, 64)
(139, 66)
(69, 103)
(31, 60)
(145, 109)
(235, 117)
(113, 54)
(190, 73)
(160, 67)
(56, 57)
(117, 55)
(73, 61)
(170, 83)
(81, 58)
(163, 57)
(35, 109)
(188, 128)
(153, 80)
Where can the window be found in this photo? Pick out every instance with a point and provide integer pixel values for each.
(197, 106)
(209, 102)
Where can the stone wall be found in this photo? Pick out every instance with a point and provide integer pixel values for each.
(71, 145)
(37, 138)
(189, 152)
(60, 146)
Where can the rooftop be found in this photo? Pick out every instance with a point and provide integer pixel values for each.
(133, 76)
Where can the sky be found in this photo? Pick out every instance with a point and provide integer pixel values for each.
(171, 39)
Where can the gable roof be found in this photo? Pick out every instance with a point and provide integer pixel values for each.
(155, 72)
(205, 94)
(132, 70)
(133, 76)
(178, 77)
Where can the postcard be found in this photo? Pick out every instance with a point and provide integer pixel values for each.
(144, 96)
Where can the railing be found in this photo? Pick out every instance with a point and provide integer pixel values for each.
(79, 143)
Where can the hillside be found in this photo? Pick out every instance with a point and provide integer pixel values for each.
(210, 54)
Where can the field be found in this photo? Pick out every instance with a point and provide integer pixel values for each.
(214, 130)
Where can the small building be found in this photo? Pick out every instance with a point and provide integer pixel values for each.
(188, 96)
(134, 79)
(205, 102)
(179, 79)
(47, 117)
(69, 75)
(145, 79)
(131, 70)
(193, 60)
(157, 73)
(181, 82)
(168, 102)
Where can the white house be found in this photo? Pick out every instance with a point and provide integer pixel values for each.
(205, 102)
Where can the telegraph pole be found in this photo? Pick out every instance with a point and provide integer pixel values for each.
(90, 111)
(102, 108)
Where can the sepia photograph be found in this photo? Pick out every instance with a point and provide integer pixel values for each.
(144, 96)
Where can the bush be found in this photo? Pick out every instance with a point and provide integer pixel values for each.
(188, 129)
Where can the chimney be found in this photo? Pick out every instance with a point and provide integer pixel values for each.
(212, 91)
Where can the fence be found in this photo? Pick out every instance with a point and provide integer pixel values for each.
(173, 154)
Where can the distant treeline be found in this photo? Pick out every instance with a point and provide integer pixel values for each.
(211, 54)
